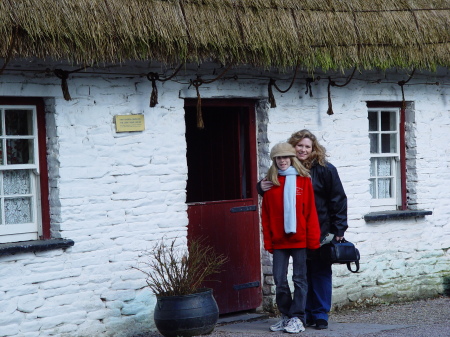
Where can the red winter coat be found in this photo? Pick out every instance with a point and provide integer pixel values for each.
(308, 230)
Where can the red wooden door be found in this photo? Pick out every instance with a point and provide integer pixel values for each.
(222, 198)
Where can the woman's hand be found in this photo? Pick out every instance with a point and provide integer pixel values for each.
(338, 238)
(266, 185)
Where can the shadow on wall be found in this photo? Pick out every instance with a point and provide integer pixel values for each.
(446, 283)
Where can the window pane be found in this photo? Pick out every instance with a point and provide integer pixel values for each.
(388, 122)
(384, 188)
(16, 182)
(373, 163)
(373, 125)
(19, 151)
(18, 210)
(373, 143)
(19, 122)
(384, 167)
(372, 188)
(389, 143)
(1, 151)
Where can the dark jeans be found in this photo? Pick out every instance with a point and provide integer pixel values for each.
(318, 302)
(288, 305)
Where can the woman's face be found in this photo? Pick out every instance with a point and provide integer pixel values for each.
(283, 163)
(303, 149)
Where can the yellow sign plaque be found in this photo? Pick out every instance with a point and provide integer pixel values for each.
(130, 123)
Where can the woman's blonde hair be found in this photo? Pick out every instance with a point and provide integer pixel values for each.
(272, 174)
(318, 153)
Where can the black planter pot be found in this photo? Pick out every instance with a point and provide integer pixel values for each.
(186, 316)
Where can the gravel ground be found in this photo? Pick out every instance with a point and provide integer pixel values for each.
(427, 318)
(423, 318)
(429, 312)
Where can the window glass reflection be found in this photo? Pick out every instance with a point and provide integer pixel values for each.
(19, 151)
(19, 122)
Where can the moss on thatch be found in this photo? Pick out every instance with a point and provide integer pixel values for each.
(326, 34)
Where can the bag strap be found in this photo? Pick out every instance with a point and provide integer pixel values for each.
(350, 268)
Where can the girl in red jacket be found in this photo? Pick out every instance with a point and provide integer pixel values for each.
(290, 226)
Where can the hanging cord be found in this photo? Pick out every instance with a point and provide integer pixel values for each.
(333, 84)
(200, 124)
(273, 103)
(197, 83)
(330, 104)
(310, 80)
(272, 83)
(12, 43)
(153, 77)
(64, 75)
(401, 84)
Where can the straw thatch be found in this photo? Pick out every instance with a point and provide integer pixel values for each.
(326, 34)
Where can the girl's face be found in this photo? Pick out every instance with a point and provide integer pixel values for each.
(303, 149)
(283, 163)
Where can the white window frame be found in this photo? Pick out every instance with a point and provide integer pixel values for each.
(33, 229)
(395, 201)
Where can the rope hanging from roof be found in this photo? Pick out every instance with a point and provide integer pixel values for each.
(200, 124)
(64, 75)
(273, 103)
(310, 80)
(272, 83)
(401, 84)
(154, 95)
(197, 83)
(333, 84)
(153, 77)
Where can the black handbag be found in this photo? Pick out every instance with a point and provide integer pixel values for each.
(341, 252)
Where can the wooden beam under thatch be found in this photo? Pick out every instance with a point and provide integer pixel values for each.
(316, 34)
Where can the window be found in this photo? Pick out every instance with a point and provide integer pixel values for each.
(387, 157)
(23, 171)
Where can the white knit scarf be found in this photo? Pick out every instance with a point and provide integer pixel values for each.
(289, 199)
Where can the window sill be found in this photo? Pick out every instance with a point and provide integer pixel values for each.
(394, 215)
(34, 246)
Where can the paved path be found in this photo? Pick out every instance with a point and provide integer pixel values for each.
(425, 318)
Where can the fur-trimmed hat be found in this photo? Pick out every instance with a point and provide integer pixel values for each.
(282, 150)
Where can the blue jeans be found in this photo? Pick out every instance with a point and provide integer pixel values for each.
(318, 302)
(288, 305)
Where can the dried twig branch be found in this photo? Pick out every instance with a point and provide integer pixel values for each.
(170, 272)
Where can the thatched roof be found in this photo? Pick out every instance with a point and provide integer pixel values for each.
(326, 34)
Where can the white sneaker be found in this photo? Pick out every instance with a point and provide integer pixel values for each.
(294, 325)
(280, 325)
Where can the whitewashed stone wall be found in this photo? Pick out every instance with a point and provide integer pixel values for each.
(400, 258)
(116, 194)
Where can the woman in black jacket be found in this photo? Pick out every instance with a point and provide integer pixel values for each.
(331, 205)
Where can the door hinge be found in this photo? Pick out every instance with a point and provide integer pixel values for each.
(246, 285)
(243, 209)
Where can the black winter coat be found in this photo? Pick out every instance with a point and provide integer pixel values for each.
(331, 201)
(330, 198)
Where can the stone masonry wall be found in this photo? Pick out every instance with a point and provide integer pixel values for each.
(400, 259)
(116, 194)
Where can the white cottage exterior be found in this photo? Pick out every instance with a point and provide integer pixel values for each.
(115, 194)
(101, 103)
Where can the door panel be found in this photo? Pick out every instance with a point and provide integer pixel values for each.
(222, 198)
(229, 233)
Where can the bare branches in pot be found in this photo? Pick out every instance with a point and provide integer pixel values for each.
(176, 276)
